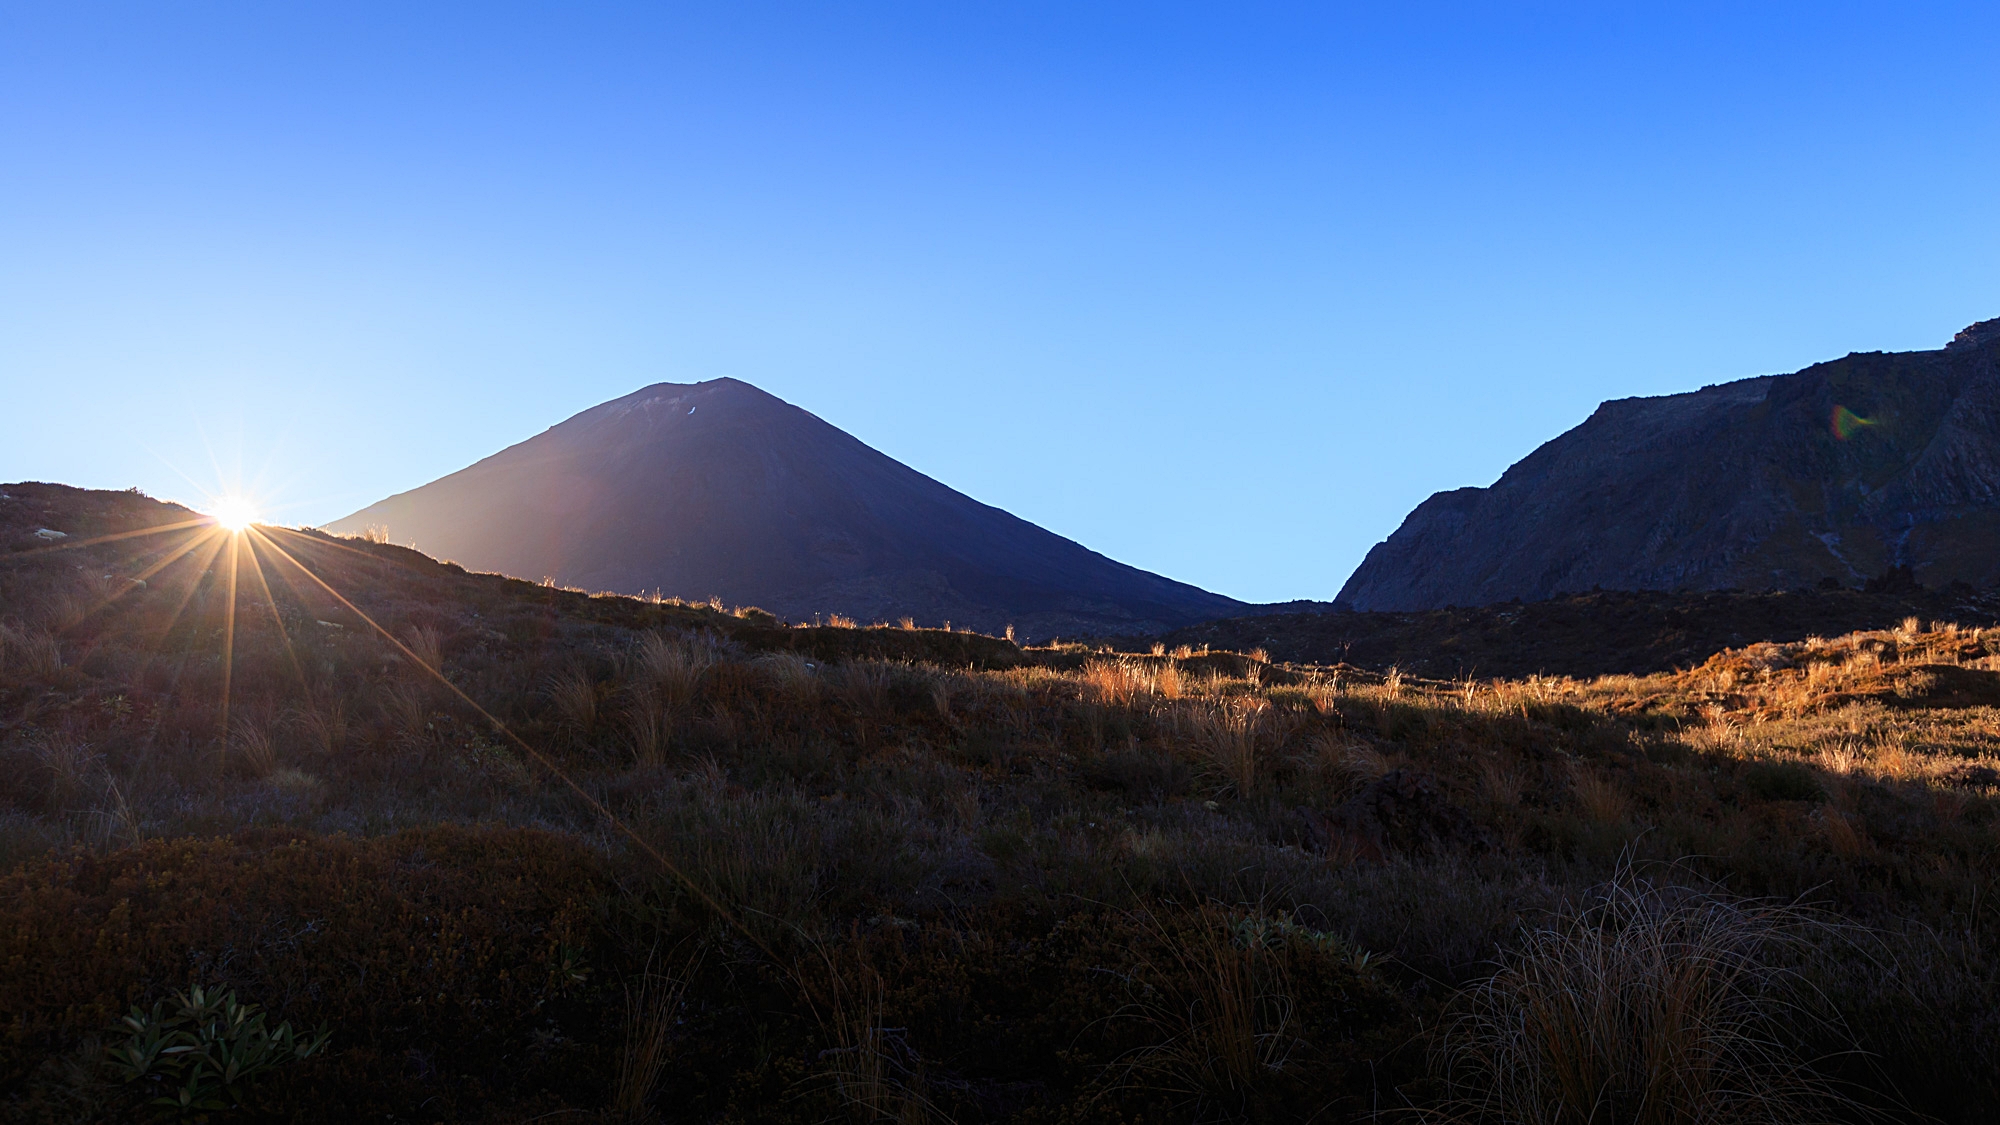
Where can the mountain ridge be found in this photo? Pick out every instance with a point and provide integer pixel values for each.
(1830, 475)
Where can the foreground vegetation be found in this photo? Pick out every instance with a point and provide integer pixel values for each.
(526, 853)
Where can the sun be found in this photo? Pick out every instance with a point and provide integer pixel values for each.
(233, 514)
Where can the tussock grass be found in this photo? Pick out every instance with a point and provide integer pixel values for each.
(674, 664)
(649, 728)
(573, 694)
(255, 747)
(795, 678)
(427, 644)
(323, 726)
(1651, 1005)
(872, 1072)
(1232, 735)
(29, 652)
(653, 1003)
(1221, 1006)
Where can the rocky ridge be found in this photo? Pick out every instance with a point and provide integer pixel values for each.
(1826, 477)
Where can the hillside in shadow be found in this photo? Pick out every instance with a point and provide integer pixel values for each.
(1605, 632)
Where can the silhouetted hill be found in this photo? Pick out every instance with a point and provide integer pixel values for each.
(719, 489)
(1834, 474)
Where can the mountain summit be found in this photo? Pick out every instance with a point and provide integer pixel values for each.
(719, 489)
(1834, 474)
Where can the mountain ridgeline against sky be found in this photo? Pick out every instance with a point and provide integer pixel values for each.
(1836, 473)
(719, 489)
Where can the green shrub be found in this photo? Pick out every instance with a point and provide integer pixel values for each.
(205, 1050)
(440, 951)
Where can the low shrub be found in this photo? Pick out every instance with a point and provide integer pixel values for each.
(205, 1049)
(1782, 781)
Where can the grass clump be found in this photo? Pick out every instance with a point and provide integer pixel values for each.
(1650, 1005)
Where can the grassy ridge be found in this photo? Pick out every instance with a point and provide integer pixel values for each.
(1607, 632)
(926, 875)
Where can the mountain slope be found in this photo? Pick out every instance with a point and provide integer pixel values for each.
(1833, 474)
(719, 489)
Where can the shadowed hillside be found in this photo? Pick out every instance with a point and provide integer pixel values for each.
(417, 844)
(1835, 474)
(1585, 635)
(717, 489)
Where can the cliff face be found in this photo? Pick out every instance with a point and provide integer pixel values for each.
(1839, 471)
(719, 489)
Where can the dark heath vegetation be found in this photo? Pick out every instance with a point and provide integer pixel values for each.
(424, 844)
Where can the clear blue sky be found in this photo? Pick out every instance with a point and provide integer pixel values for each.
(1221, 290)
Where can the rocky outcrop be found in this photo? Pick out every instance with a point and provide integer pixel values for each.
(718, 489)
(1832, 475)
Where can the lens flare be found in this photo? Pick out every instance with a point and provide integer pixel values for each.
(1846, 423)
(234, 514)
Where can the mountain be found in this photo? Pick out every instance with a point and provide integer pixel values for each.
(717, 489)
(1829, 476)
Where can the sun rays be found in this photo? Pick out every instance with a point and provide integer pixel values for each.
(234, 514)
(217, 547)
(227, 556)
